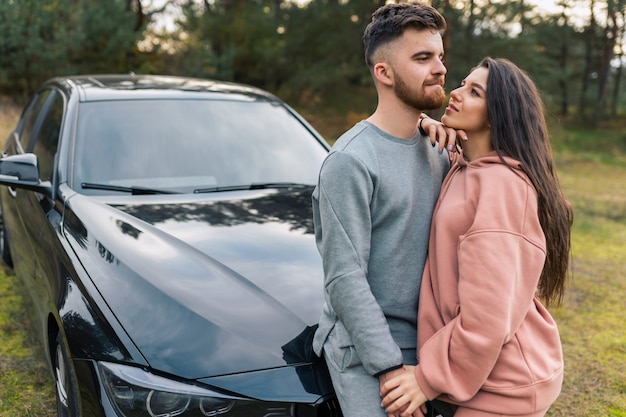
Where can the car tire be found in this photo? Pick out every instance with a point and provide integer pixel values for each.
(64, 381)
(5, 254)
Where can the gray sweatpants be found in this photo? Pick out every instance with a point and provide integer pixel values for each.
(358, 392)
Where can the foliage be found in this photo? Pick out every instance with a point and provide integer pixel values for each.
(33, 39)
(311, 54)
(591, 318)
(243, 41)
(325, 59)
(107, 37)
(43, 38)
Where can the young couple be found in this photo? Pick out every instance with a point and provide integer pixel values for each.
(472, 223)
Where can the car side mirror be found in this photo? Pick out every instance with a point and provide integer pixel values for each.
(24, 167)
(22, 171)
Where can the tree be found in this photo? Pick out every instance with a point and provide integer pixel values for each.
(108, 33)
(563, 59)
(234, 40)
(326, 49)
(619, 60)
(32, 33)
(590, 35)
(311, 55)
(43, 38)
(609, 42)
(302, 53)
(557, 65)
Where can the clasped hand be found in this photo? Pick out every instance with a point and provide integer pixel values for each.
(401, 394)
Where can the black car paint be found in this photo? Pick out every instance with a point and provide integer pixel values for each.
(87, 263)
(223, 311)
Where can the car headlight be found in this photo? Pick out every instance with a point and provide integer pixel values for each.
(137, 393)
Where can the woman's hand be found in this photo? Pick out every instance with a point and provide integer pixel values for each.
(402, 395)
(439, 133)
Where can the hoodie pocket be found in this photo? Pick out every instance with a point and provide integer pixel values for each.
(342, 351)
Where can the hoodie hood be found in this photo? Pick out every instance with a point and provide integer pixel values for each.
(486, 160)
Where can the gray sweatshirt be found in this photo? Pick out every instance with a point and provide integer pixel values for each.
(372, 209)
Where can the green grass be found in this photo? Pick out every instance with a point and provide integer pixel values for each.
(592, 317)
(25, 382)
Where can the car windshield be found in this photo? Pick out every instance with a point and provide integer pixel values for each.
(191, 146)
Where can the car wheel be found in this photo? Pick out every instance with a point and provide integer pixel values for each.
(4, 245)
(65, 382)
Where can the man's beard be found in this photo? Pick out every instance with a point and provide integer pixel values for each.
(418, 99)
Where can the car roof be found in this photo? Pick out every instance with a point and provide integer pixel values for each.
(99, 87)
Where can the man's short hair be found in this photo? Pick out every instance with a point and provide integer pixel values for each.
(391, 20)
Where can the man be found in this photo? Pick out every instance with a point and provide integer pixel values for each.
(372, 209)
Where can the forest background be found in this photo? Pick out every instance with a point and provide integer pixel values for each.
(309, 53)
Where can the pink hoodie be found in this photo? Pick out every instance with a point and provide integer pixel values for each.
(485, 341)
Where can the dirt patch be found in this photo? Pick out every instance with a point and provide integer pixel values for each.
(9, 113)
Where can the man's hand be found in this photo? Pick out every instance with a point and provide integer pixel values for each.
(440, 134)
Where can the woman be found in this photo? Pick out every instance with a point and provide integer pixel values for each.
(486, 343)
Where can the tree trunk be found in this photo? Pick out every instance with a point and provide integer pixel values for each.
(589, 41)
(563, 59)
(140, 17)
(610, 38)
(619, 69)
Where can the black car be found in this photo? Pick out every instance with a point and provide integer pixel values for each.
(162, 229)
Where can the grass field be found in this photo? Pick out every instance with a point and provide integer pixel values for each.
(25, 383)
(592, 318)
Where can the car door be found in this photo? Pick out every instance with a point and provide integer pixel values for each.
(16, 144)
(39, 215)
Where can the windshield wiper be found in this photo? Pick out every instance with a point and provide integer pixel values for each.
(134, 190)
(253, 186)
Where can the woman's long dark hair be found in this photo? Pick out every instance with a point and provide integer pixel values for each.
(518, 129)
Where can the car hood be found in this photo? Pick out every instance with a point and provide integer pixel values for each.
(205, 286)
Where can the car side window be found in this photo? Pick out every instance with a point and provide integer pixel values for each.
(47, 136)
(30, 119)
